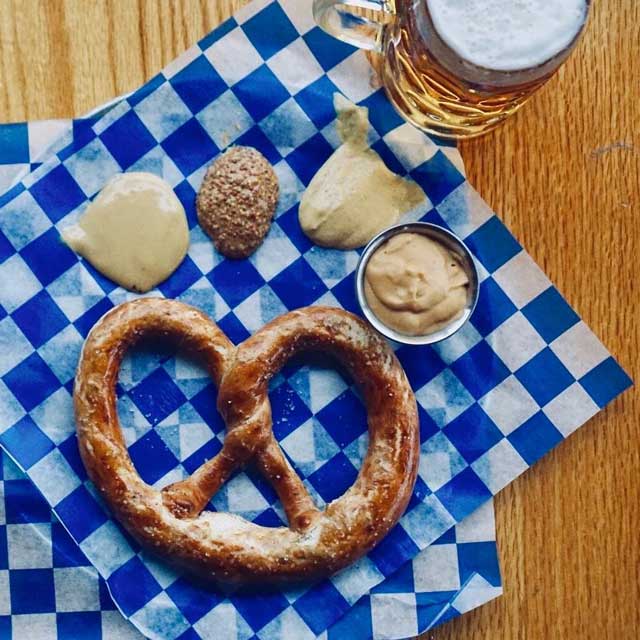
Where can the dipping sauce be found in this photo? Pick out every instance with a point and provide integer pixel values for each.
(415, 285)
(135, 232)
(354, 195)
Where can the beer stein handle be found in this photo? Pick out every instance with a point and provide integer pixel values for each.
(336, 18)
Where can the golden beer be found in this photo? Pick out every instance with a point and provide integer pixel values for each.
(458, 68)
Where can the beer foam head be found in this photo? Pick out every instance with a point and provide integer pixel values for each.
(508, 35)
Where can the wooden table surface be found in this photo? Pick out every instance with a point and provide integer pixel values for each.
(564, 175)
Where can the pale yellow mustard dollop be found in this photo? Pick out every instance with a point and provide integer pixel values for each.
(354, 195)
(135, 231)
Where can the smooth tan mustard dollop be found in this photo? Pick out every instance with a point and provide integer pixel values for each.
(354, 196)
(135, 232)
(415, 285)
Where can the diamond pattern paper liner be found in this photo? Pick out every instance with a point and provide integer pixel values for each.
(457, 573)
(48, 589)
(522, 376)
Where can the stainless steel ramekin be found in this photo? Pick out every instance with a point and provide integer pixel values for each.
(449, 240)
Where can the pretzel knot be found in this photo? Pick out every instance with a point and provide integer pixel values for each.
(225, 548)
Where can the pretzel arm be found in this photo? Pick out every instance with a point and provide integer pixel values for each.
(298, 504)
(188, 498)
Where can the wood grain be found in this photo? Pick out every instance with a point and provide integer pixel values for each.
(564, 174)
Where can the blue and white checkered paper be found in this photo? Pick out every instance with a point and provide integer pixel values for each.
(459, 572)
(49, 591)
(493, 399)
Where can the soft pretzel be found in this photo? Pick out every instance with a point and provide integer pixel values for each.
(222, 547)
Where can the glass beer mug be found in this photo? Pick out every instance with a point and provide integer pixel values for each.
(458, 68)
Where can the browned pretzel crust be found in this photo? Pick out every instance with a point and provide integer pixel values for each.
(221, 547)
